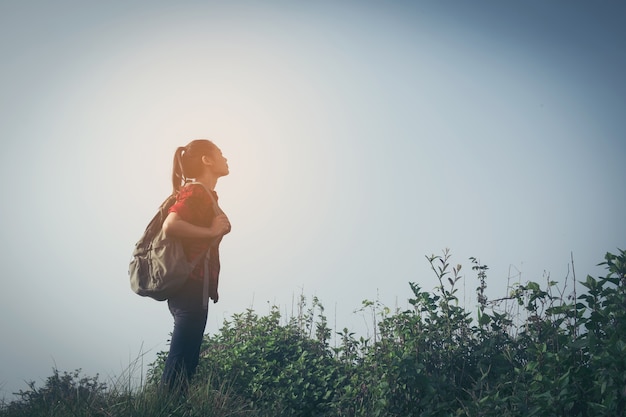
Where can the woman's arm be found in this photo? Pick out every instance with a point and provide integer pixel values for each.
(174, 225)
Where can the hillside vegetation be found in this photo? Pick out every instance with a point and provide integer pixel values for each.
(539, 351)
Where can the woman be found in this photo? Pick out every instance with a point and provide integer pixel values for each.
(198, 221)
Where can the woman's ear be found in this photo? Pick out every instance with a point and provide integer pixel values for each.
(207, 160)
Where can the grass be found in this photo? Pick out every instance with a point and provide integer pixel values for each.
(71, 394)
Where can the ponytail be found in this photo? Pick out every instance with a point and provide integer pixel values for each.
(178, 177)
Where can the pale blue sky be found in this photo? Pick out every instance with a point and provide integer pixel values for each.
(361, 137)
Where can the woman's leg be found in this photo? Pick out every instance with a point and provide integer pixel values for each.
(189, 324)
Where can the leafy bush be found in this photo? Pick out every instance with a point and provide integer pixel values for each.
(62, 394)
(279, 368)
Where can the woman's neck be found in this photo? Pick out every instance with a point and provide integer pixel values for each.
(208, 181)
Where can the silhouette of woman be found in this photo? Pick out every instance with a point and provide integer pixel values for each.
(198, 221)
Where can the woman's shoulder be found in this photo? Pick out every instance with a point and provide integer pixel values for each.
(192, 201)
(192, 190)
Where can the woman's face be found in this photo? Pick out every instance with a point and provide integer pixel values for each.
(220, 164)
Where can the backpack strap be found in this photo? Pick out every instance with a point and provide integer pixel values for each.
(207, 279)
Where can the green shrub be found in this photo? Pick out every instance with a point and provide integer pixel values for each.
(62, 394)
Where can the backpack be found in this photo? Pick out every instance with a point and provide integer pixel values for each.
(159, 267)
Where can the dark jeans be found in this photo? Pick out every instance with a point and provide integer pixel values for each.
(189, 324)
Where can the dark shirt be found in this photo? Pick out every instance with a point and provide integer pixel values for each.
(194, 205)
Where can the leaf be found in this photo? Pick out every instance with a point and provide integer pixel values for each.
(484, 319)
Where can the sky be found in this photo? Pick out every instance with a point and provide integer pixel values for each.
(361, 137)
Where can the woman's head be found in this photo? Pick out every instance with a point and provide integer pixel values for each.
(199, 157)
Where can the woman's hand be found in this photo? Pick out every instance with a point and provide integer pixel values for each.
(220, 225)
